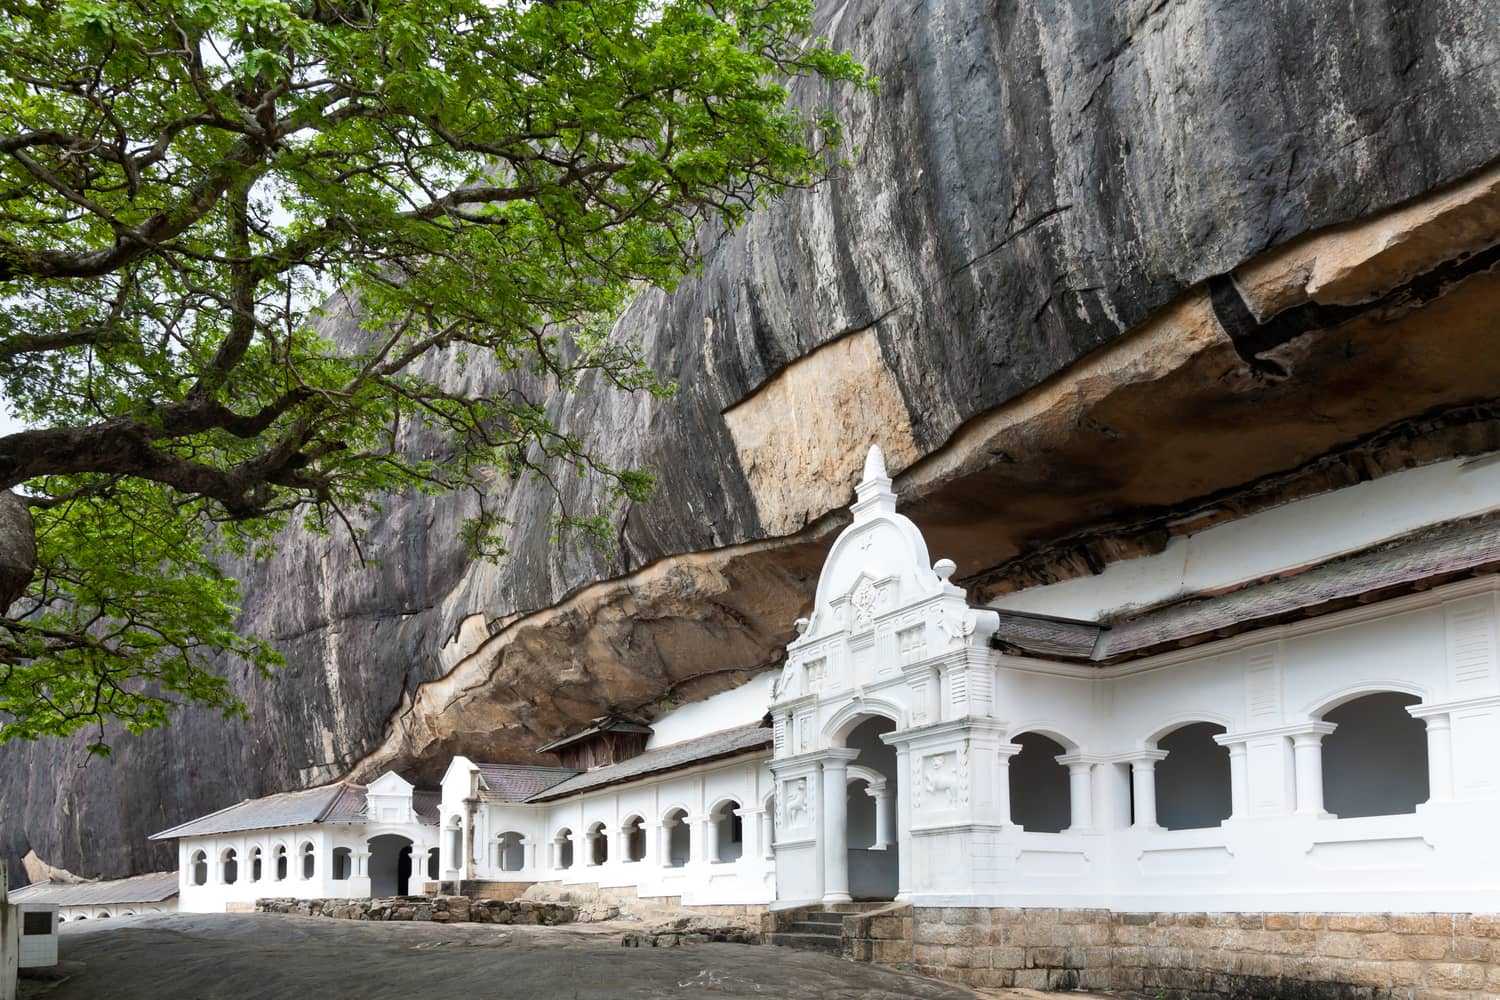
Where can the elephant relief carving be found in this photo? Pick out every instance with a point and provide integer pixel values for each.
(796, 803)
(940, 780)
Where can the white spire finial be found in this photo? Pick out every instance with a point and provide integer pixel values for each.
(873, 494)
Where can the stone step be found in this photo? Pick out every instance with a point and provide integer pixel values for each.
(830, 943)
(822, 917)
(814, 927)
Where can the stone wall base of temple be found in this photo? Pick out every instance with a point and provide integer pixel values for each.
(1313, 955)
(478, 889)
(650, 909)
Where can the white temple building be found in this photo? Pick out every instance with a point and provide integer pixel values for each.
(111, 899)
(1297, 710)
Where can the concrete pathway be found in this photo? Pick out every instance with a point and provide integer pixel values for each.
(273, 957)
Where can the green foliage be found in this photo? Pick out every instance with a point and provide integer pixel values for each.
(484, 184)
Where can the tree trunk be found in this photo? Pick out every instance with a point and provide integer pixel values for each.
(17, 548)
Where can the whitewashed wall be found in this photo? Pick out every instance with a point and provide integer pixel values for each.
(1277, 851)
(697, 791)
(114, 911)
(216, 895)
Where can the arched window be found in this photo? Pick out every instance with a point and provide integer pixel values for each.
(343, 863)
(80, 917)
(1039, 796)
(1375, 762)
(1192, 781)
(198, 866)
(598, 843)
(255, 866)
(432, 864)
(102, 915)
(229, 866)
(729, 830)
(309, 853)
(281, 863)
(562, 845)
(679, 838)
(510, 851)
(635, 839)
(128, 913)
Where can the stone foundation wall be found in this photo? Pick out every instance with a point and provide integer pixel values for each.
(1299, 955)
(650, 908)
(480, 889)
(434, 909)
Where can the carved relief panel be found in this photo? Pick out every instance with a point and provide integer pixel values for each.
(796, 805)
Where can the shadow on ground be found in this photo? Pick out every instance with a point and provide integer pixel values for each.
(273, 957)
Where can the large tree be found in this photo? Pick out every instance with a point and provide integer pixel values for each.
(182, 181)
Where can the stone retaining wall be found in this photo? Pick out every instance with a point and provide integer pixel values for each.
(1299, 955)
(435, 909)
(629, 902)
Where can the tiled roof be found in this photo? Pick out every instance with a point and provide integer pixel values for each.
(519, 782)
(1460, 547)
(151, 888)
(724, 743)
(1042, 635)
(340, 803)
(605, 723)
(1454, 549)
(347, 807)
(427, 806)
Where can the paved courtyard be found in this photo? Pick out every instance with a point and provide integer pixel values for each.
(263, 956)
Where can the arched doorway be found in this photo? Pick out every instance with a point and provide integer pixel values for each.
(870, 808)
(390, 865)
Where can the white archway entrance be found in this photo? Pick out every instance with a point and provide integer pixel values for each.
(390, 865)
(887, 693)
(871, 847)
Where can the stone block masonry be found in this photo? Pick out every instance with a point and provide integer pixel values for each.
(1301, 955)
(433, 909)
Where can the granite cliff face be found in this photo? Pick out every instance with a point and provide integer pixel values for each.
(1091, 269)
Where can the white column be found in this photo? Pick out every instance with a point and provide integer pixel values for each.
(1307, 753)
(696, 839)
(750, 822)
(653, 846)
(710, 838)
(1439, 757)
(1112, 795)
(1239, 781)
(361, 861)
(884, 815)
(903, 822)
(836, 826)
(1143, 773)
(1004, 752)
(1080, 792)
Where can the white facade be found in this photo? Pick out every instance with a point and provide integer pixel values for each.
(890, 639)
(700, 832)
(113, 911)
(38, 940)
(1347, 762)
(351, 859)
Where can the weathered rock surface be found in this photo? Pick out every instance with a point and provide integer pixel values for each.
(1092, 268)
